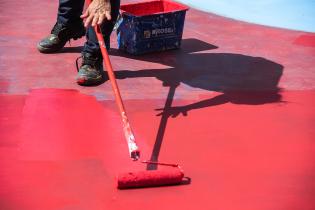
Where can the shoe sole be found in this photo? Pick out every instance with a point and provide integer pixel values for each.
(83, 81)
(48, 50)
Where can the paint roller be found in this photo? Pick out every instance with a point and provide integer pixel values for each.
(150, 178)
(174, 175)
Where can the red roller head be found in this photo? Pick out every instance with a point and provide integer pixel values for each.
(150, 178)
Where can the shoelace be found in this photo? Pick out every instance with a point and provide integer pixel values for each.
(56, 29)
(85, 62)
(77, 62)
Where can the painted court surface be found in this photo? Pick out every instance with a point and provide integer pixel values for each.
(235, 107)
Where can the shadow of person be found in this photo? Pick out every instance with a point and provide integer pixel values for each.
(241, 79)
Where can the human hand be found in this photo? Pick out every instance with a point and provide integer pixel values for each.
(97, 12)
(173, 111)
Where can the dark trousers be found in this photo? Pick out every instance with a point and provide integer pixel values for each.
(69, 12)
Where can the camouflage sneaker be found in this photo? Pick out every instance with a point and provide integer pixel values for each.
(59, 36)
(91, 70)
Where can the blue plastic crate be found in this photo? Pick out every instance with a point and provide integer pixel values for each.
(151, 26)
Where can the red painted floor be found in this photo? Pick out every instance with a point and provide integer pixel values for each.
(234, 107)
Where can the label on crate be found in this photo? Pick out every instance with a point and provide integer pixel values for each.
(157, 32)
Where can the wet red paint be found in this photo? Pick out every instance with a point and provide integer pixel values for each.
(306, 40)
(11, 108)
(71, 148)
(152, 7)
(4, 85)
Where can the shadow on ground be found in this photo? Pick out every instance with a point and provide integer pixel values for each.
(241, 79)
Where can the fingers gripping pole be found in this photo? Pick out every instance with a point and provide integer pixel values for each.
(132, 146)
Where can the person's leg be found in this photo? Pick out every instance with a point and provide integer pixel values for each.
(91, 45)
(69, 25)
(91, 71)
(69, 11)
